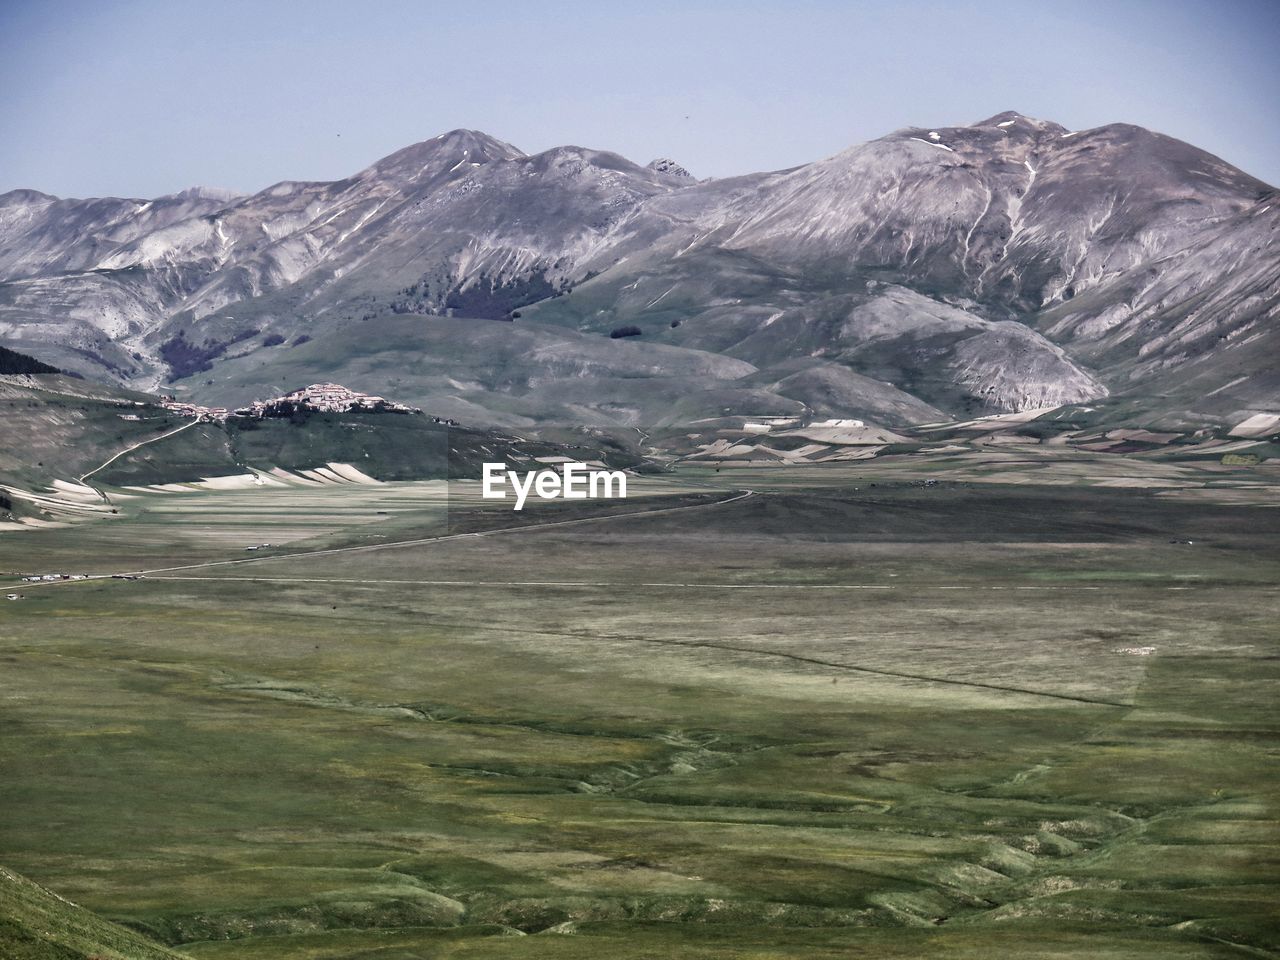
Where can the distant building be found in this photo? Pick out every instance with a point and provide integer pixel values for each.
(193, 410)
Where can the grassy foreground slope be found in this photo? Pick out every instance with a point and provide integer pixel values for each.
(37, 924)
(848, 715)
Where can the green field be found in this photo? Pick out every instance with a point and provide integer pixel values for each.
(846, 715)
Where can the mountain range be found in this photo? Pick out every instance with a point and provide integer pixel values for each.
(932, 274)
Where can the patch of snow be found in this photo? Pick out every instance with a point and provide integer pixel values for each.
(942, 146)
(681, 252)
(1007, 123)
(363, 220)
(652, 302)
(1071, 134)
(934, 135)
(1228, 386)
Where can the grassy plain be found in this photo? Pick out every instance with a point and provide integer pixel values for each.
(849, 714)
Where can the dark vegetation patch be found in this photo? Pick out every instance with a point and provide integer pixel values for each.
(492, 299)
(272, 340)
(185, 358)
(12, 362)
(630, 330)
(305, 338)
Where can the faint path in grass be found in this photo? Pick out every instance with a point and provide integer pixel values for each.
(604, 584)
(673, 584)
(367, 547)
(817, 661)
(924, 678)
(767, 652)
(364, 548)
(142, 443)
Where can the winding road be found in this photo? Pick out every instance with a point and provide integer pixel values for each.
(141, 443)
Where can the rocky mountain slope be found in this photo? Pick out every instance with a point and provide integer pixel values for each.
(1002, 266)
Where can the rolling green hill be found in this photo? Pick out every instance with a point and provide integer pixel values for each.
(61, 429)
(37, 924)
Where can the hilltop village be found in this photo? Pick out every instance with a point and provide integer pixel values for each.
(323, 398)
(315, 398)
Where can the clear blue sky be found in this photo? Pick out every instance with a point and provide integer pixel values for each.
(143, 97)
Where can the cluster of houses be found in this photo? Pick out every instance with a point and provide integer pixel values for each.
(317, 397)
(45, 578)
(193, 410)
(323, 398)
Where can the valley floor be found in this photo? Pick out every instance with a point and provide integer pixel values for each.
(821, 711)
